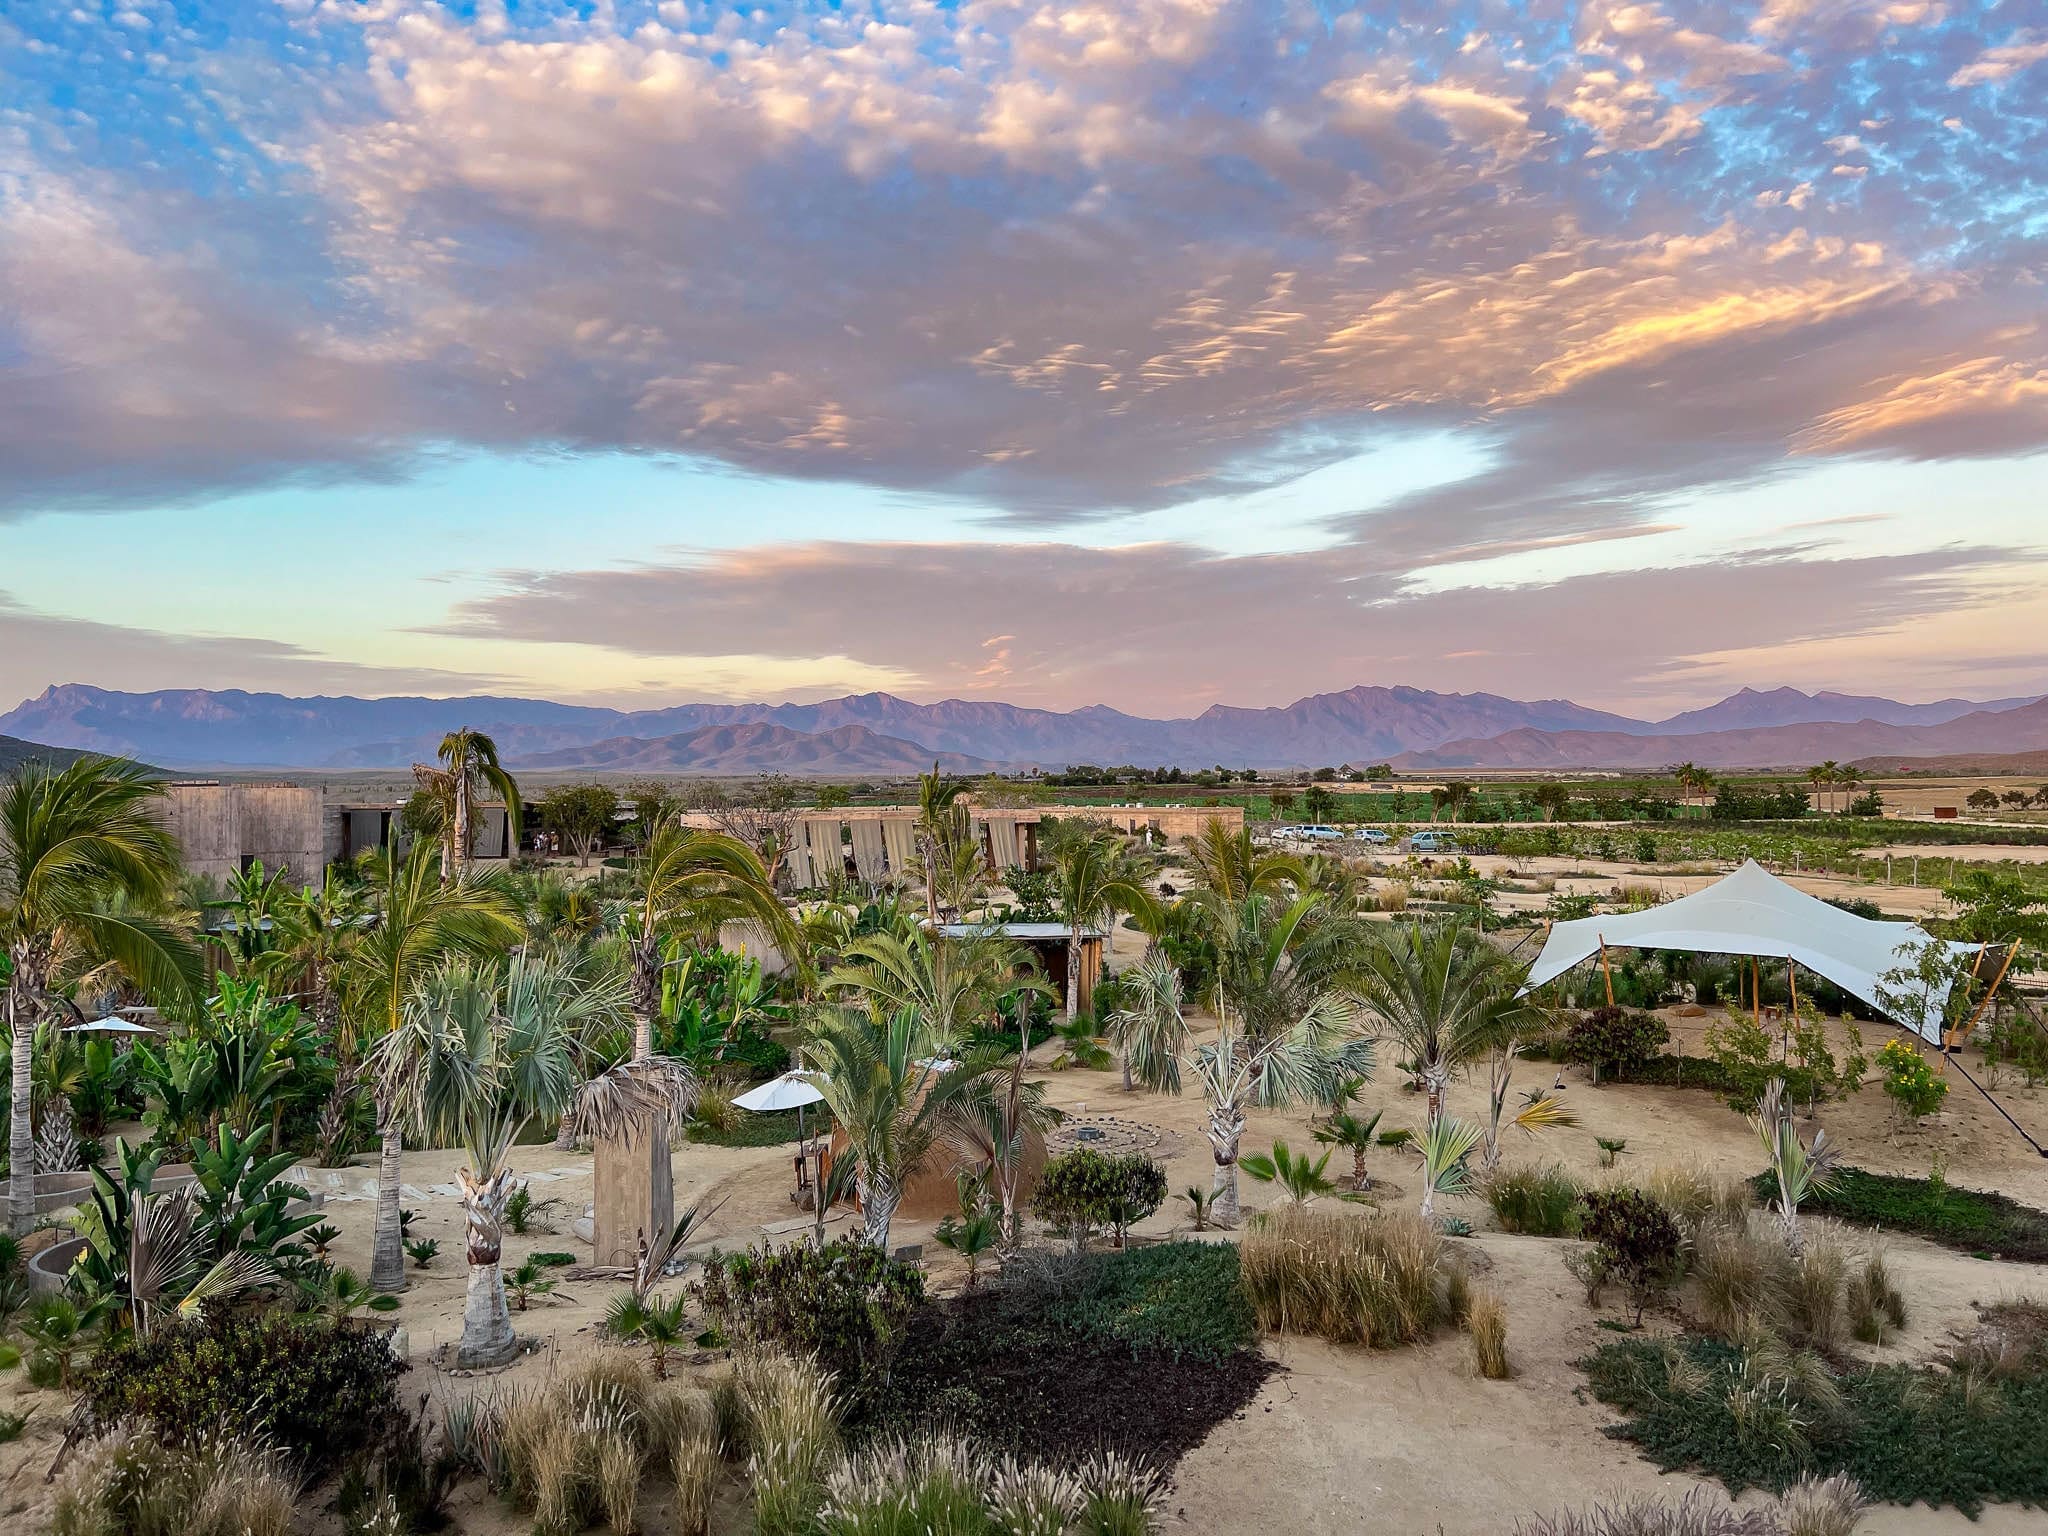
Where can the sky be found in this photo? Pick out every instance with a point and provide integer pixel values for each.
(1145, 352)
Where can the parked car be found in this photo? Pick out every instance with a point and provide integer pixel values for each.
(1433, 842)
(1317, 832)
(1372, 835)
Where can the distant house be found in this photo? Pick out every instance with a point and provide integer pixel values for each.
(1048, 945)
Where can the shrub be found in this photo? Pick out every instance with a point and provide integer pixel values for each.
(1763, 1416)
(1613, 1040)
(319, 1391)
(1540, 1202)
(1973, 1221)
(1377, 1281)
(1084, 1190)
(1909, 1081)
(129, 1482)
(1637, 1240)
(1874, 1304)
(843, 1305)
(1486, 1320)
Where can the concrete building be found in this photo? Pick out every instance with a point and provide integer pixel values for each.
(223, 828)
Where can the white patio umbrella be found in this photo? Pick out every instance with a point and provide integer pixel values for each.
(110, 1026)
(792, 1090)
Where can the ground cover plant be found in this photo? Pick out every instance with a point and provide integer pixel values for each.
(1964, 1432)
(1052, 1361)
(1974, 1221)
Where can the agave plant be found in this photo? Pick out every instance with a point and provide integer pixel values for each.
(1800, 1168)
(1446, 1145)
(1293, 1172)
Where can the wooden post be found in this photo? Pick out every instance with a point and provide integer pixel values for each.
(1606, 970)
(1791, 1008)
(1959, 1036)
(1756, 993)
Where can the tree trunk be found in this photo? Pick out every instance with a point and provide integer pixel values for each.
(565, 1133)
(1073, 974)
(387, 1254)
(878, 1200)
(1360, 1179)
(461, 832)
(21, 1140)
(1435, 1084)
(646, 992)
(1223, 1207)
(487, 1337)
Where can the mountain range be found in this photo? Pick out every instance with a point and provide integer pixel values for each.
(880, 734)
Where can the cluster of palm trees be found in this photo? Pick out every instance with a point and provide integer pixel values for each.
(1830, 776)
(1694, 782)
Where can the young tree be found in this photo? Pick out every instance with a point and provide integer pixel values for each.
(1552, 797)
(476, 1058)
(1152, 1033)
(584, 814)
(83, 861)
(950, 984)
(1798, 1168)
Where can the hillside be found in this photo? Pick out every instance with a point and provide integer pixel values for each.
(2024, 729)
(730, 749)
(14, 752)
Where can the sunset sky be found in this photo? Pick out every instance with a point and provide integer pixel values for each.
(1147, 352)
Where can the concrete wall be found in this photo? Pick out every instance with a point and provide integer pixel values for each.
(220, 827)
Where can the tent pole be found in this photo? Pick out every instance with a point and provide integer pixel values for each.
(1606, 970)
(1756, 993)
(1791, 1010)
(1959, 1036)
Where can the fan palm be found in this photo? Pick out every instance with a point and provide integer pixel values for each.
(1443, 996)
(1304, 1181)
(1152, 1032)
(1445, 1146)
(419, 923)
(992, 1125)
(1355, 1135)
(476, 1058)
(888, 1097)
(83, 859)
(1094, 879)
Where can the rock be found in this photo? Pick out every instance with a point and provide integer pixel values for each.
(399, 1343)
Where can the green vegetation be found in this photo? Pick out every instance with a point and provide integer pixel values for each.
(1539, 1202)
(1381, 1281)
(1759, 1416)
(843, 1305)
(1973, 1221)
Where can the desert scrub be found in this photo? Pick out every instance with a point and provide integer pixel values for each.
(1486, 1321)
(844, 1304)
(1539, 1202)
(1378, 1280)
(129, 1483)
(1760, 1414)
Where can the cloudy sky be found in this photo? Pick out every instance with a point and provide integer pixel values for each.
(1151, 352)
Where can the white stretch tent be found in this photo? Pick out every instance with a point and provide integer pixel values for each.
(1753, 912)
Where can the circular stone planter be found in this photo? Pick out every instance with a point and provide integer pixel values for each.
(47, 1269)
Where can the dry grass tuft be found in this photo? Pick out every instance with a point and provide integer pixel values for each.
(1378, 1280)
(615, 1473)
(1874, 1303)
(127, 1483)
(787, 1410)
(1487, 1322)
(695, 1467)
(1822, 1506)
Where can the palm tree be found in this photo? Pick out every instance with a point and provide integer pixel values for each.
(888, 1097)
(313, 929)
(1093, 880)
(1152, 1033)
(1445, 1146)
(691, 879)
(1228, 866)
(420, 922)
(941, 822)
(991, 1127)
(1444, 997)
(1287, 1036)
(1355, 1135)
(1823, 776)
(475, 1059)
(1304, 1181)
(470, 760)
(1797, 1168)
(82, 860)
(949, 984)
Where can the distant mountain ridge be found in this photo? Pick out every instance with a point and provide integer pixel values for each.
(880, 733)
